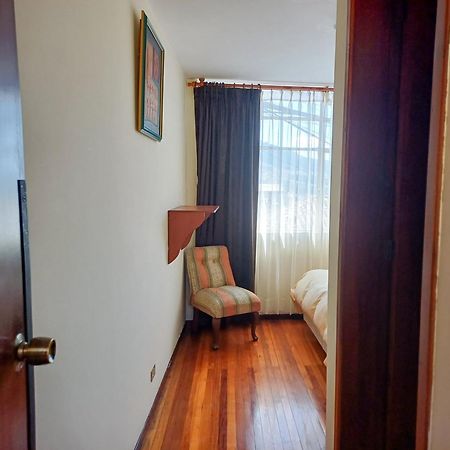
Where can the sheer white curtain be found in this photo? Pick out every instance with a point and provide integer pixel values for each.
(294, 192)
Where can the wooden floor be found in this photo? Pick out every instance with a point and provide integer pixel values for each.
(247, 395)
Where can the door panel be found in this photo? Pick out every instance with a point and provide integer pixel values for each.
(13, 375)
(388, 93)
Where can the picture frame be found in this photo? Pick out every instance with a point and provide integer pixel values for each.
(151, 81)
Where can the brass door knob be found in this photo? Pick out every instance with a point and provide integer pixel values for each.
(40, 350)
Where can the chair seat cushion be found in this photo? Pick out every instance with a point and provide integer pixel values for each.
(226, 301)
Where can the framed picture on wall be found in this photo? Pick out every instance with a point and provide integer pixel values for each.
(151, 81)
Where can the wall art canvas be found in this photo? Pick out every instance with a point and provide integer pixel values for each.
(151, 81)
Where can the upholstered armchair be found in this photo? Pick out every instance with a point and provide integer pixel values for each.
(214, 291)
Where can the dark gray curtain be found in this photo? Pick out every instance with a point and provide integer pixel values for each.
(227, 124)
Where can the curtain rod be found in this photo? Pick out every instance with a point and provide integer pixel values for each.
(272, 87)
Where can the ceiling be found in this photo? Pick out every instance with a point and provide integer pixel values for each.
(255, 40)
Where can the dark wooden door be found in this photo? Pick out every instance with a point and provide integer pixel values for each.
(388, 98)
(15, 395)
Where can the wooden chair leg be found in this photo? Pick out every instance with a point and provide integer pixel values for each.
(195, 320)
(216, 330)
(255, 317)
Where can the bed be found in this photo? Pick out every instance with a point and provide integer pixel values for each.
(310, 297)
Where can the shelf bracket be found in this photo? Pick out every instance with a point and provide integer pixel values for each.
(182, 222)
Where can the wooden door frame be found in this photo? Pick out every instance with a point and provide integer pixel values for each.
(386, 248)
(432, 224)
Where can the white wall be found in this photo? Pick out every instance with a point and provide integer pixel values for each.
(98, 198)
(338, 137)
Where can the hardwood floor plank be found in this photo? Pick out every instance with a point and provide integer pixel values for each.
(268, 363)
(264, 395)
(257, 361)
(197, 435)
(231, 401)
(244, 419)
(183, 389)
(305, 413)
(287, 365)
(256, 411)
(161, 410)
(279, 393)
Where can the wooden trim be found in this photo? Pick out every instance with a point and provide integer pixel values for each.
(145, 429)
(416, 80)
(432, 224)
(381, 227)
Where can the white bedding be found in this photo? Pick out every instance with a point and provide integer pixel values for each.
(311, 297)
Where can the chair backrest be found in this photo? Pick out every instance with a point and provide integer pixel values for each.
(208, 267)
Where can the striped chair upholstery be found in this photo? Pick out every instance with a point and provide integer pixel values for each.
(214, 290)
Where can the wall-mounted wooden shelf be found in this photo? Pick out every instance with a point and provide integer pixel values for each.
(183, 221)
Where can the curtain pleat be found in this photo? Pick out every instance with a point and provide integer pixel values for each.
(227, 124)
(294, 192)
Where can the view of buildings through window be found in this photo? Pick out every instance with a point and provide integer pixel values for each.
(295, 161)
